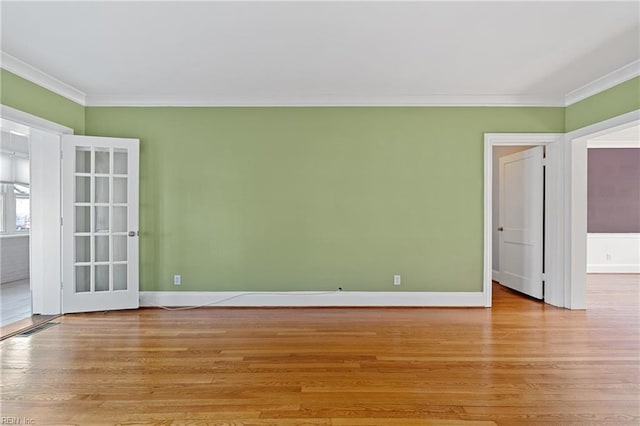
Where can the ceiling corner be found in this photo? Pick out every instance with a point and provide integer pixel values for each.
(622, 74)
(39, 77)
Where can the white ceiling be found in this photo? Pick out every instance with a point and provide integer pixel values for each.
(323, 53)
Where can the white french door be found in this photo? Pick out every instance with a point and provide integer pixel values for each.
(100, 228)
(521, 205)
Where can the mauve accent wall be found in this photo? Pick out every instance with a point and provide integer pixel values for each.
(613, 190)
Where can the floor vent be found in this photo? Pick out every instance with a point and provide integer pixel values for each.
(38, 329)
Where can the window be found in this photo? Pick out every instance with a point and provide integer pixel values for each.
(15, 208)
(23, 211)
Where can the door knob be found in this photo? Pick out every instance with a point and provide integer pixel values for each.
(132, 233)
(501, 229)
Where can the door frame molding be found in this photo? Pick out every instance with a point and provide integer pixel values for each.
(575, 233)
(44, 241)
(554, 209)
(33, 121)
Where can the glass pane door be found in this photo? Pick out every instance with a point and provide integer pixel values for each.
(101, 178)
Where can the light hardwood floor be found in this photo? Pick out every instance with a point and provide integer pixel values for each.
(15, 302)
(521, 362)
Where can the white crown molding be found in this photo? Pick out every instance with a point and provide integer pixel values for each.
(34, 75)
(310, 298)
(603, 83)
(329, 101)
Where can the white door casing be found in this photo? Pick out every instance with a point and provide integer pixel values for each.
(575, 233)
(45, 181)
(100, 230)
(521, 206)
(44, 245)
(555, 208)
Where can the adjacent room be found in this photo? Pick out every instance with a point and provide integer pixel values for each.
(320, 213)
(15, 222)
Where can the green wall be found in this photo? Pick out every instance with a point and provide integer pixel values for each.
(18, 93)
(313, 198)
(620, 99)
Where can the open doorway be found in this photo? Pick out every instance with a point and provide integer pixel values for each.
(577, 143)
(613, 212)
(518, 219)
(551, 209)
(31, 198)
(15, 223)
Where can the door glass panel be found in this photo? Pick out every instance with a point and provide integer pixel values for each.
(83, 189)
(120, 190)
(120, 277)
(102, 160)
(120, 160)
(83, 279)
(102, 249)
(102, 219)
(102, 190)
(119, 248)
(83, 159)
(102, 277)
(119, 219)
(83, 249)
(83, 219)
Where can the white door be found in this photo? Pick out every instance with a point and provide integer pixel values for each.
(521, 182)
(100, 228)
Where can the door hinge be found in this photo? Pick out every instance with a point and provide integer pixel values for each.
(61, 222)
(544, 162)
(544, 277)
(61, 154)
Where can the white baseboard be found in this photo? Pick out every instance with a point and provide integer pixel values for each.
(613, 253)
(495, 275)
(310, 298)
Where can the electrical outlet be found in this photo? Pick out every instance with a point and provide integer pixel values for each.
(177, 279)
(397, 280)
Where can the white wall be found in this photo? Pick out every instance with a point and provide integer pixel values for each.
(14, 258)
(499, 151)
(613, 253)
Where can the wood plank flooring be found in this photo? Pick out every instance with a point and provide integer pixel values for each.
(15, 302)
(521, 362)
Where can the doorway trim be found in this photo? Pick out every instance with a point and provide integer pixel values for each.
(33, 121)
(45, 249)
(554, 209)
(575, 274)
